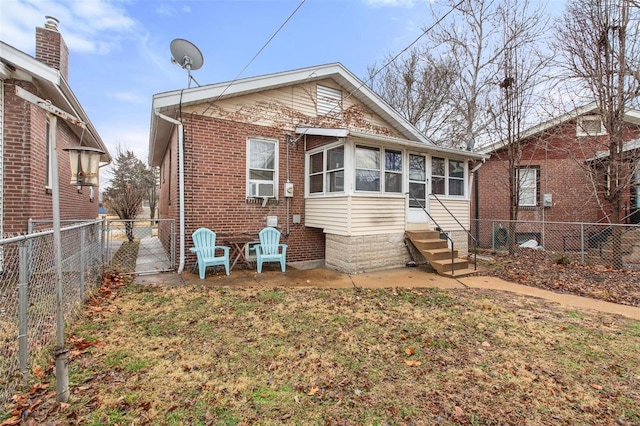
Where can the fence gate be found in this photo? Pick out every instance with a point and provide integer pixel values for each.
(140, 246)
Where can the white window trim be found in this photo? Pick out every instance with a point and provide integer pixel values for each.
(536, 171)
(464, 195)
(276, 164)
(380, 168)
(581, 131)
(324, 149)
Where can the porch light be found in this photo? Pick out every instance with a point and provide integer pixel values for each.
(85, 163)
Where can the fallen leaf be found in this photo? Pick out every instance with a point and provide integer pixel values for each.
(37, 372)
(596, 386)
(459, 412)
(412, 363)
(486, 344)
(313, 391)
(410, 351)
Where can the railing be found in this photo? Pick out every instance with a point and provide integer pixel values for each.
(475, 242)
(437, 228)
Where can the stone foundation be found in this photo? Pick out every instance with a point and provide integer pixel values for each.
(365, 253)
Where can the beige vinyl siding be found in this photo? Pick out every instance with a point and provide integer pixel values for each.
(356, 215)
(459, 208)
(287, 107)
(377, 215)
(328, 213)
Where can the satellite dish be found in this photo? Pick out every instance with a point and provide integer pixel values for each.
(187, 55)
(470, 144)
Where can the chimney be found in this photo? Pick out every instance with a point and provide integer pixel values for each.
(51, 48)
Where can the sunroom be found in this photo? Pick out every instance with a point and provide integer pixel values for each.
(364, 191)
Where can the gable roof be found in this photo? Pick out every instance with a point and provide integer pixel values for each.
(15, 64)
(630, 116)
(168, 103)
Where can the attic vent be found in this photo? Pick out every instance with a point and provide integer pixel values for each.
(329, 102)
(590, 126)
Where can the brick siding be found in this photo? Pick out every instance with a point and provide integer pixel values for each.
(215, 185)
(561, 176)
(25, 172)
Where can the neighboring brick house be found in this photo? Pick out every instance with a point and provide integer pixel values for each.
(25, 160)
(555, 186)
(312, 151)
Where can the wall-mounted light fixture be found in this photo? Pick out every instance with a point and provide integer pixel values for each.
(85, 163)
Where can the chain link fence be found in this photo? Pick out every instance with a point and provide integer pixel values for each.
(140, 246)
(616, 245)
(28, 293)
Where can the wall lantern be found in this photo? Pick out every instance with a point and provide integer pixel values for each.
(85, 163)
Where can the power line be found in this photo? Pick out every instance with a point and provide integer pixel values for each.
(425, 32)
(261, 49)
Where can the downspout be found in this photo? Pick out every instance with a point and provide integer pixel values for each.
(474, 190)
(180, 183)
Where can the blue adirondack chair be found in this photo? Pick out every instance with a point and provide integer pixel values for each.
(204, 241)
(270, 249)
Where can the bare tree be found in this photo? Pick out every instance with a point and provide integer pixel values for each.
(153, 191)
(599, 41)
(128, 188)
(419, 87)
(470, 37)
(521, 68)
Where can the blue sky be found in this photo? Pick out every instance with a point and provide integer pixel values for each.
(120, 57)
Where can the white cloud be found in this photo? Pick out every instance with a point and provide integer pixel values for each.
(129, 97)
(166, 10)
(88, 26)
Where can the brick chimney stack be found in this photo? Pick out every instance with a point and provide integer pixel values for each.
(51, 48)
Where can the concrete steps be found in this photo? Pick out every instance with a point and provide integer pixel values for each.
(438, 254)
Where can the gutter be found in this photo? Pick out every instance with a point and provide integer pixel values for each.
(180, 183)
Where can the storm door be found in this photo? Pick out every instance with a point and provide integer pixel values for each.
(417, 189)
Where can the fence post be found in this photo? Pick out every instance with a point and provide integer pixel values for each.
(581, 243)
(23, 309)
(83, 261)
(103, 243)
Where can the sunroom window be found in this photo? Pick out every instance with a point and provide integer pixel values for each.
(392, 171)
(326, 171)
(367, 169)
(447, 176)
(262, 162)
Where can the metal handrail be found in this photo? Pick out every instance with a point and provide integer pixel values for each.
(453, 272)
(475, 242)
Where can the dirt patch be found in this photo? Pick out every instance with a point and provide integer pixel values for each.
(548, 271)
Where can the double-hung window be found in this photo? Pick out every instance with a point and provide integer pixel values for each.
(392, 171)
(326, 171)
(262, 161)
(447, 176)
(378, 170)
(527, 179)
(367, 169)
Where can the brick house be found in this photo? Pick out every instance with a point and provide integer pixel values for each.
(555, 186)
(25, 160)
(311, 151)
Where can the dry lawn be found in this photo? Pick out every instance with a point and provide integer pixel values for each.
(203, 355)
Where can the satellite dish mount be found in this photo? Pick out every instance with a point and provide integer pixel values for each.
(187, 56)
